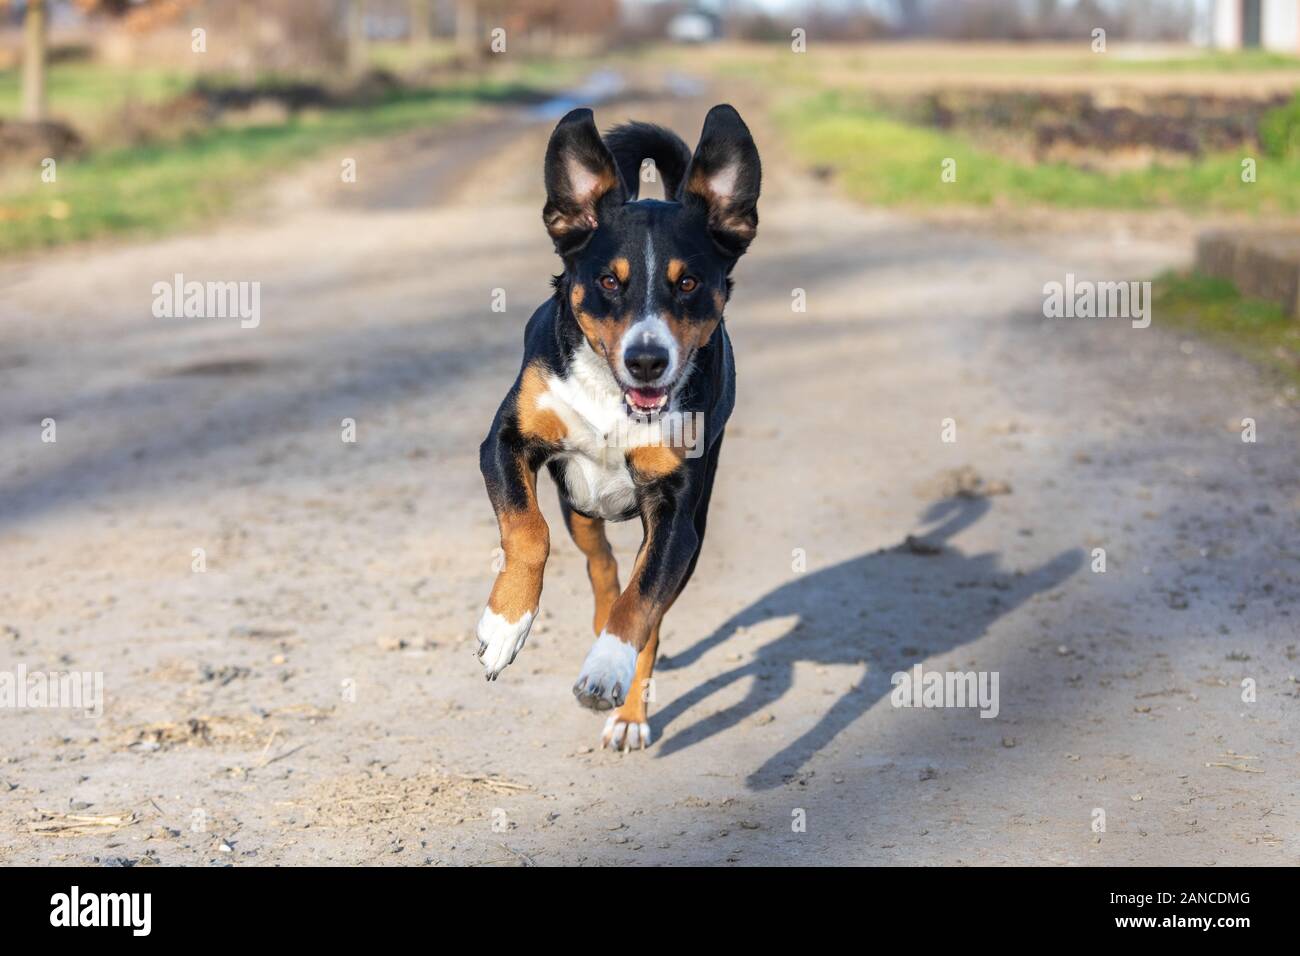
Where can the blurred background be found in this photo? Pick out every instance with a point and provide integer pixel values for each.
(169, 109)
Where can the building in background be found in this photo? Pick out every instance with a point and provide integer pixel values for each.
(1263, 24)
(694, 25)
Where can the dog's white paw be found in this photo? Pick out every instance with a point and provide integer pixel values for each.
(607, 673)
(625, 735)
(500, 641)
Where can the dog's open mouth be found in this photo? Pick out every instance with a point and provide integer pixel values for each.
(643, 401)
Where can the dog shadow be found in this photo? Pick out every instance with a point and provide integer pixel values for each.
(883, 611)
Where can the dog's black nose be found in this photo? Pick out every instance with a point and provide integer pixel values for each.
(645, 363)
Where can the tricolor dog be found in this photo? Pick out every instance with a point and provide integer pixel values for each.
(632, 340)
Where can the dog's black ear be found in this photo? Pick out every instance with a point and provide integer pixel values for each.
(581, 179)
(725, 176)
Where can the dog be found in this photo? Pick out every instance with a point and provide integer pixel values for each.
(631, 344)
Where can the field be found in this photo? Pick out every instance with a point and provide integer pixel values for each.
(177, 178)
(846, 110)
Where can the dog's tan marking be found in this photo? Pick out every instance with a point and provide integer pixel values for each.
(676, 269)
(602, 570)
(655, 461)
(526, 541)
(586, 321)
(633, 710)
(621, 268)
(721, 209)
(631, 617)
(604, 335)
(690, 334)
(535, 421)
(578, 211)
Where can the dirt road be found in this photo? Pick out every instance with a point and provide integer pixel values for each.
(312, 694)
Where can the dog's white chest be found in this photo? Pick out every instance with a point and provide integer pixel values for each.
(597, 437)
(597, 488)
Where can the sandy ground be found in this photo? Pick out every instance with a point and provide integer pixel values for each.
(313, 697)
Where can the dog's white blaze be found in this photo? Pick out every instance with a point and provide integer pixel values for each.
(598, 434)
(649, 274)
(649, 329)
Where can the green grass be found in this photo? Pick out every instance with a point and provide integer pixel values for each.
(884, 160)
(1279, 131)
(1210, 61)
(152, 189)
(85, 93)
(1212, 308)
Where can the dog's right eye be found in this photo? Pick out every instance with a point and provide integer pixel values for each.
(608, 282)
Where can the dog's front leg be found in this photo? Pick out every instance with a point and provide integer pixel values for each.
(511, 479)
(620, 662)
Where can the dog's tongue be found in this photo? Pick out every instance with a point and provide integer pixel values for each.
(645, 397)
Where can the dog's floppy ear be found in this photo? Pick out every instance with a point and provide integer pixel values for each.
(581, 177)
(725, 176)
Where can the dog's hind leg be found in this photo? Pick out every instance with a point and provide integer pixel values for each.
(602, 570)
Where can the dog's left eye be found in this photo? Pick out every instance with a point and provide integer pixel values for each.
(608, 282)
(688, 284)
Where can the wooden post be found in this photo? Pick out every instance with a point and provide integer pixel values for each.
(467, 38)
(356, 37)
(34, 70)
(421, 14)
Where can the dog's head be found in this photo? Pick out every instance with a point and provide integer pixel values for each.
(647, 281)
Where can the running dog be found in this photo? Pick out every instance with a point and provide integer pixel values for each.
(624, 392)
